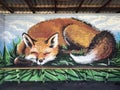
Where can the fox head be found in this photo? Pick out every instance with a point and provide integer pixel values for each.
(41, 50)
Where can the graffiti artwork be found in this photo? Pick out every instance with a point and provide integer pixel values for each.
(72, 40)
(45, 40)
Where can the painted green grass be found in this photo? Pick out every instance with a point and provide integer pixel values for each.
(44, 75)
(18, 75)
(7, 58)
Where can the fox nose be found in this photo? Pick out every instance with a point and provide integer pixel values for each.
(40, 61)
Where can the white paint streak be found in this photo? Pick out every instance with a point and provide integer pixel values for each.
(89, 58)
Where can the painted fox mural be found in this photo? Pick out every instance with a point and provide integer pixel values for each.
(43, 41)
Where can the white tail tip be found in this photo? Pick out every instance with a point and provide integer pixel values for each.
(87, 59)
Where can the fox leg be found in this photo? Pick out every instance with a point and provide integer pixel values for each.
(76, 36)
(22, 62)
(79, 36)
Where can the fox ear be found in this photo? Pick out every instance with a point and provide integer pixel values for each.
(53, 41)
(27, 40)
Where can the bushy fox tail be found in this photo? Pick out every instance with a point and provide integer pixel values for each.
(101, 47)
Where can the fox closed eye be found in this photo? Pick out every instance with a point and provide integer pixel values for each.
(34, 53)
(47, 53)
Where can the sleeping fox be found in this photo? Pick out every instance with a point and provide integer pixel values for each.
(43, 41)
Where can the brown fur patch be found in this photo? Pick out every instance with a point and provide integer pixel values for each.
(104, 44)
